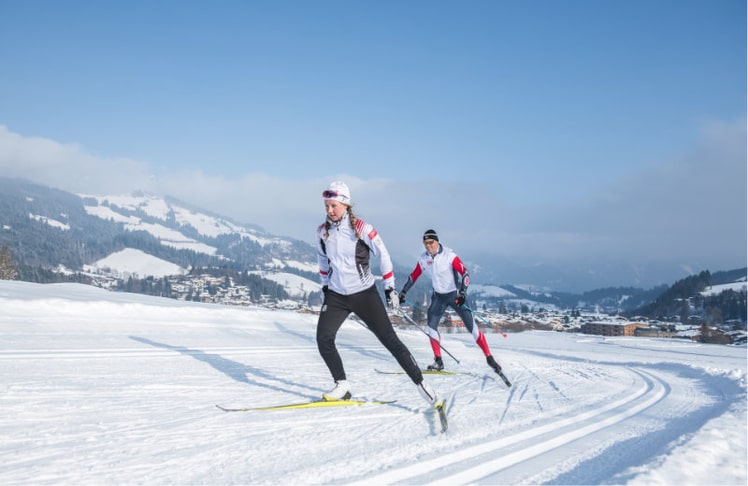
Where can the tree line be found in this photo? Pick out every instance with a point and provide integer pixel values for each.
(686, 300)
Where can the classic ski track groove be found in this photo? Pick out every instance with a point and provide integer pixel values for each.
(497, 453)
(541, 439)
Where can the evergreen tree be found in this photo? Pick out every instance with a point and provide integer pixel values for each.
(7, 267)
(502, 308)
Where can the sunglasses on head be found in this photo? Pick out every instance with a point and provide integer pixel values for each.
(329, 194)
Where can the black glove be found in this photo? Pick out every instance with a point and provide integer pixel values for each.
(460, 298)
(324, 289)
(402, 297)
(392, 301)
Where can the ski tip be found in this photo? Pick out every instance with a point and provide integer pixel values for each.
(441, 410)
(225, 409)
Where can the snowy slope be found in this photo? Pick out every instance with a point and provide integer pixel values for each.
(111, 388)
(111, 207)
(718, 289)
(136, 263)
(294, 285)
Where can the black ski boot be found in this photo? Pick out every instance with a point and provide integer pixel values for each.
(497, 368)
(437, 365)
(493, 364)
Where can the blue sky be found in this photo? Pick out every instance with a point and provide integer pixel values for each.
(538, 130)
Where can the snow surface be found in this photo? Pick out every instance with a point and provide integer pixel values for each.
(490, 291)
(50, 221)
(718, 289)
(136, 263)
(105, 212)
(294, 285)
(167, 236)
(158, 208)
(109, 388)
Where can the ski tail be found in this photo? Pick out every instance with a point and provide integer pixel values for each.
(504, 378)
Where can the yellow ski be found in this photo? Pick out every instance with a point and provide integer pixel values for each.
(312, 404)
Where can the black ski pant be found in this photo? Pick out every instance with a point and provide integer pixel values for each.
(369, 307)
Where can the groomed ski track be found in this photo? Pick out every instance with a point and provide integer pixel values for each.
(496, 434)
(134, 402)
(537, 445)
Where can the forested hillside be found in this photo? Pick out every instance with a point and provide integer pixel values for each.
(686, 298)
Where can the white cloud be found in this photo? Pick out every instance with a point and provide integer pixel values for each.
(690, 208)
(68, 166)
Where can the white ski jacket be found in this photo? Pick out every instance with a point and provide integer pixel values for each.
(446, 270)
(344, 260)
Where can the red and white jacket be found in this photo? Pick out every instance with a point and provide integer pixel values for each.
(344, 260)
(446, 270)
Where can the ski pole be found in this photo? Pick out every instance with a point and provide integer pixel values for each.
(408, 318)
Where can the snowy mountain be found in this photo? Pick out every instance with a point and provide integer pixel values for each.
(103, 387)
(172, 222)
(52, 228)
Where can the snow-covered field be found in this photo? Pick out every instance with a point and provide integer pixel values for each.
(111, 388)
